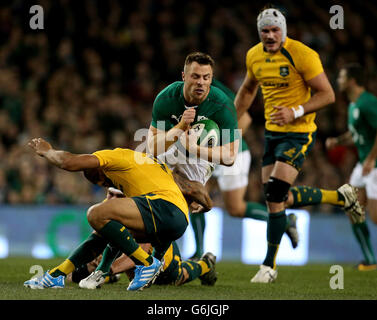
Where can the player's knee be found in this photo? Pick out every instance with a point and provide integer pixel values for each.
(94, 215)
(276, 190)
(235, 209)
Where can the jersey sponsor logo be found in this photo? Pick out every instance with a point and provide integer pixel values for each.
(276, 84)
(270, 60)
(173, 116)
(284, 71)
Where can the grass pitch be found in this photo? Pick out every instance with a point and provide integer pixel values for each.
(310, 282)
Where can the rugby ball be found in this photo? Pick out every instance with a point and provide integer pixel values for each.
(207, 133)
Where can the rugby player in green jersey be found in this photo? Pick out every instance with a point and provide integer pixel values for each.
(362, 125)
(194, 98)
(183, 102)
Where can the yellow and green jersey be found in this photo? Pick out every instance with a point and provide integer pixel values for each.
(282, 77)
(137, 173)
(362, 122)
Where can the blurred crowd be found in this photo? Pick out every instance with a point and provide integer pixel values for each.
(87, 81)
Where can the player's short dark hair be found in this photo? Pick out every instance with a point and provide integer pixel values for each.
(201, 58)
(356, 71)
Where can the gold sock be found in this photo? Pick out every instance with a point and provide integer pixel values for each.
(140, 255)
(204, 266)
(331, 197)
(66, 267)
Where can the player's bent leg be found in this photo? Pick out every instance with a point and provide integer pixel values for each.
(234, 202)
(123, 210)
(107, 219)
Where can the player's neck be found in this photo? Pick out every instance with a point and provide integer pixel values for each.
(355, 93)
(193, 102)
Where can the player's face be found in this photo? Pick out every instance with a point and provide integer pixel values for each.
(96, 176)
(342, 80)
(197, 80)
(271, 37)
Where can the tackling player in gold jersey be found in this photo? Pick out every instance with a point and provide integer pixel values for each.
(154, 210)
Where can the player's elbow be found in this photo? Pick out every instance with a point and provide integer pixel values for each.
(70, 165)
(331, 96)
(228, 161)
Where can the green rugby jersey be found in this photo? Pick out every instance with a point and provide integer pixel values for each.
(169, 106)
(362, 122)
(218, 84)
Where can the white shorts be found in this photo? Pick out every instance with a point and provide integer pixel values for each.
(235, 176)
(368, 182)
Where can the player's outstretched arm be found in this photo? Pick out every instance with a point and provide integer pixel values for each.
(63, 159)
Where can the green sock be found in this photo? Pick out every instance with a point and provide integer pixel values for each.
(119, 236)
(276, 226)
(193, 269)
(198, 225)
(108, 256)
(305, 196)
(84, 253)
(361, 233)
(257, 211)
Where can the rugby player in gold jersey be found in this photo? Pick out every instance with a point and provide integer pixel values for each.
(153, 210)
(294, 86)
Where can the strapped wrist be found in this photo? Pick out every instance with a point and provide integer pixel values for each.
(298, 111)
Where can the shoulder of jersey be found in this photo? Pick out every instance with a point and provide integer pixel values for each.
(255, 49)
(298, 47)
(370, 99)
(171, 90)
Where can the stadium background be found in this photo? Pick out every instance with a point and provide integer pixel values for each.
(88, 79)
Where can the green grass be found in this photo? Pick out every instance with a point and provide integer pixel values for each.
(309, 282)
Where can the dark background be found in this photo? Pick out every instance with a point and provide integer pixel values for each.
(87, 81)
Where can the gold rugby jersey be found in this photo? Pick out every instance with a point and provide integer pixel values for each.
(282, 77)
(136, 173)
